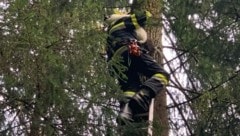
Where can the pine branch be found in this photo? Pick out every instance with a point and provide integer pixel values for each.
(235, 75)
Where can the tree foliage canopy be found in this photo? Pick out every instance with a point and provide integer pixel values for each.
(206, 39)
(52, 77)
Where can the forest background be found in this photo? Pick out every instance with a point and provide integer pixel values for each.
(53, 80)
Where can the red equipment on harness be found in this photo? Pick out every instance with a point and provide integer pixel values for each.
(134, 48)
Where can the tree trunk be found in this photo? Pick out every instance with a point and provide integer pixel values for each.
(154, 30)
(155, 34)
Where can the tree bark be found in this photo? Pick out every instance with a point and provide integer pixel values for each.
(154, 31)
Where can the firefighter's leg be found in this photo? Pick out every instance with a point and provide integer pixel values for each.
(140, 102)
(125, 113)
(157, 80)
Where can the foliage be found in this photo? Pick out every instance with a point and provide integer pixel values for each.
(53, 80)
(206, 44)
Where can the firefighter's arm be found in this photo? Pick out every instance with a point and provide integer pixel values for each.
(137, 20)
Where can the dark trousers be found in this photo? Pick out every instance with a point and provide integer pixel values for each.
(130, 69)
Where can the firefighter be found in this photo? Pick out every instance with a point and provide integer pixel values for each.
(128, 58)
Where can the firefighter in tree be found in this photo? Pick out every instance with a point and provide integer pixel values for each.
(128, 58)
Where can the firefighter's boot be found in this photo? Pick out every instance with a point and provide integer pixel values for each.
(125, 115)
(141, 101)
(138, 104)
